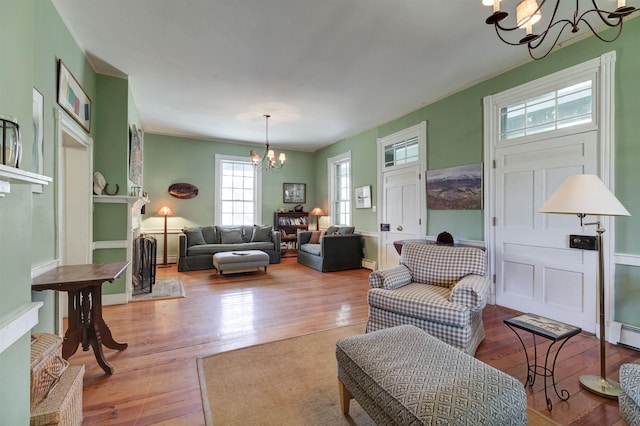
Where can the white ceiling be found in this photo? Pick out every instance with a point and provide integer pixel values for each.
(323, 69)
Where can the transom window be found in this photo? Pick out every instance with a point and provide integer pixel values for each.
(236, 195)
(402, 152)
(566, 107)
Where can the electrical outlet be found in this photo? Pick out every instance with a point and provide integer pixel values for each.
(583, 242)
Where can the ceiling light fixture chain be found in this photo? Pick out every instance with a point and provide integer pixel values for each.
(268, 160)
(529, 12)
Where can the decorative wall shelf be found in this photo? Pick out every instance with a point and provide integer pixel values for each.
(11, 175)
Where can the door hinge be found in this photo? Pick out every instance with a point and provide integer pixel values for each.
(494, 278)
(419, 176)
(495, 221)
(419, 221)
(494, 164)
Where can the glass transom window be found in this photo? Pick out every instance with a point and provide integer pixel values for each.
(566, 107)
(402, 152)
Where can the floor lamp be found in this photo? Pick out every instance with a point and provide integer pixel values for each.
(587, 195)
(317, 212)
(165, 211)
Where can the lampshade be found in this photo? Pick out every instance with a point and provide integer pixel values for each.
(584, 194)
(527, 14)
(165, 211)
(317, 211)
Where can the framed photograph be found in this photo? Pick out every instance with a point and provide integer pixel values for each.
(294, 193)
(37, 149)
(135, 155)
(363, 197)
(455, 188)
(72, 98)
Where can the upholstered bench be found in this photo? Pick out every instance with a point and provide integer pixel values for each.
(404, 376)
(243, 259)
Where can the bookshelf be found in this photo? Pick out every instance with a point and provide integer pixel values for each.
(290, 223)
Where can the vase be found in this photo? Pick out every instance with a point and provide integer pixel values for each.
(10, 141)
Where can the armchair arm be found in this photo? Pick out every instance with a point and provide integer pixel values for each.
(390, 278)
(471, 291)
(183, 245)
(275, 237)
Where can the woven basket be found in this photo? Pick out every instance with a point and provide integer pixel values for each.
(47, 365)
(63, 406)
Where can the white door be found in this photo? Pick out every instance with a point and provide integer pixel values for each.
(400, 211)
(535, 270)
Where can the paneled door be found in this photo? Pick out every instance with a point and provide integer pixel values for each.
(535, 270)
(400, 210)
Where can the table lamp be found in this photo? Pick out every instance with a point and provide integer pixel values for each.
(165, 211)
(317, 212)
(584, 195)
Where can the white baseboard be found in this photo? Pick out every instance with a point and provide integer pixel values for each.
(624, 334)
(114, 299)
(369, 264)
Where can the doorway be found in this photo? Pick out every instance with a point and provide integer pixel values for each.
(401, 189)
(533, 268)
(74, 197)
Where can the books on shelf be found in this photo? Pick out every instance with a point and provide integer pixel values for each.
(292, 221)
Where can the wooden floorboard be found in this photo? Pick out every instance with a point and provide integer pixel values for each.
(156, 379)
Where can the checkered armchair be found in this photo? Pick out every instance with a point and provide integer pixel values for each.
(441, 289)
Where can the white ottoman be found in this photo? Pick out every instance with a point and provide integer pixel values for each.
(240, 260)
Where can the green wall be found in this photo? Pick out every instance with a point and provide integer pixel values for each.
(170, 159)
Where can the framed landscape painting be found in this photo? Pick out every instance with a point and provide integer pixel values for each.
(455, 188)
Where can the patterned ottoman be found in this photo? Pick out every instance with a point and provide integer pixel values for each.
(404, 376)
(242, 259)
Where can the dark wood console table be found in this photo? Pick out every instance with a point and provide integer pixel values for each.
(83, 284)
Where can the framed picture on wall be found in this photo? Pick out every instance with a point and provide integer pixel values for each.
(72, 98)
(294, 193)
(363, 197)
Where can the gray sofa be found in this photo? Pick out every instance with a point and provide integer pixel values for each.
(199, 244)
(335, 250)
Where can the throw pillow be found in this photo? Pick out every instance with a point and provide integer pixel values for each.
(231, 236)
(332, 230)
(261, 233)
(315, 237)
(344, 230)
(194, 237)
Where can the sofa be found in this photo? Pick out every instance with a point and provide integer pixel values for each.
(440, 289)
(199, 244)
(337, 249)
(629, 398)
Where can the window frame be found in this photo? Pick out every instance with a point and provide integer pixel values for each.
(257, 187)
(332, 162)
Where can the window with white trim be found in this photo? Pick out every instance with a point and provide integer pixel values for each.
(340, 189)
(569, 106)
(237, 195)
(401, 152)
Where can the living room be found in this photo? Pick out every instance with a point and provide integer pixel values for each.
(32, 242)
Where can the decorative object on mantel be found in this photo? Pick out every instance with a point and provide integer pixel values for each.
(182, 190)
(10, 142)
(165, 211)
(317, 212)
(72, 98)
(587, 195)
(268, 160)
(528, 13)
(100, 185)
(37, 149)
(135, 154)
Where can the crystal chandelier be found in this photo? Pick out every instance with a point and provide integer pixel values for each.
(529, 12)
(268, 160)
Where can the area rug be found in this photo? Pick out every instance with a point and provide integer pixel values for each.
(170, 288)
(291, 381)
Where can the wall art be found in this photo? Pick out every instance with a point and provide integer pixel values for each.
(72, 98)
(455, 188)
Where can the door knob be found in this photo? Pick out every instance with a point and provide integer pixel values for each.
(399, 228)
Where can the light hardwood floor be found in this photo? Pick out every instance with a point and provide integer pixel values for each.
(156, 380)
